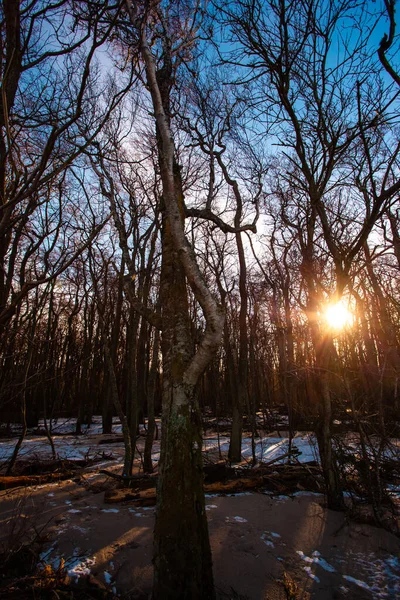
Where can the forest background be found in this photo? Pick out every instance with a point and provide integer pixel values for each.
(186, 188)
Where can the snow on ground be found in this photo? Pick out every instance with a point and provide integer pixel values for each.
(379, 576)
(270, 448)
(382, 574)
(79, 448)
(70, 447)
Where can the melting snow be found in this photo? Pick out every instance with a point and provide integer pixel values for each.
(269, 534)
(316, 559)
(358, 582)
(304, 557)
(237, 519)
(77, 528)
(382, 574)
(107, 577)
(136, 514)
(77, 567)
(311, 574)
(110, 510)
(269, 448)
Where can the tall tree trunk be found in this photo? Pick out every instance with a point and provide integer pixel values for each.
(182, 554)
(182, 560)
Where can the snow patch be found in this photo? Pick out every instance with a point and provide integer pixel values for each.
(77, 528)
(316, 559)
(235, 519)
(78, 567)
(107, 577)
(358, 582)
(311, 574)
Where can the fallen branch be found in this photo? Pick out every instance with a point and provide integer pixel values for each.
(220, 479)
(8, 482)
(149, 495)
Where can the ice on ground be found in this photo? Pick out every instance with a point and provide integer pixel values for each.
(110, 510)
(210, 506)
(74, 511)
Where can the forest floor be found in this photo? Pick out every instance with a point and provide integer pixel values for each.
(265, 546)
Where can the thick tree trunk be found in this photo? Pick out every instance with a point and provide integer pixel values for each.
(182, 555)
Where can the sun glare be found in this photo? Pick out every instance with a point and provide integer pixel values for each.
(338, 316)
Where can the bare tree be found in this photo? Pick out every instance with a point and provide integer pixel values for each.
(182, 558)
(51, 98)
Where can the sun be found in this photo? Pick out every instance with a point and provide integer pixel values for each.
(338, 316)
